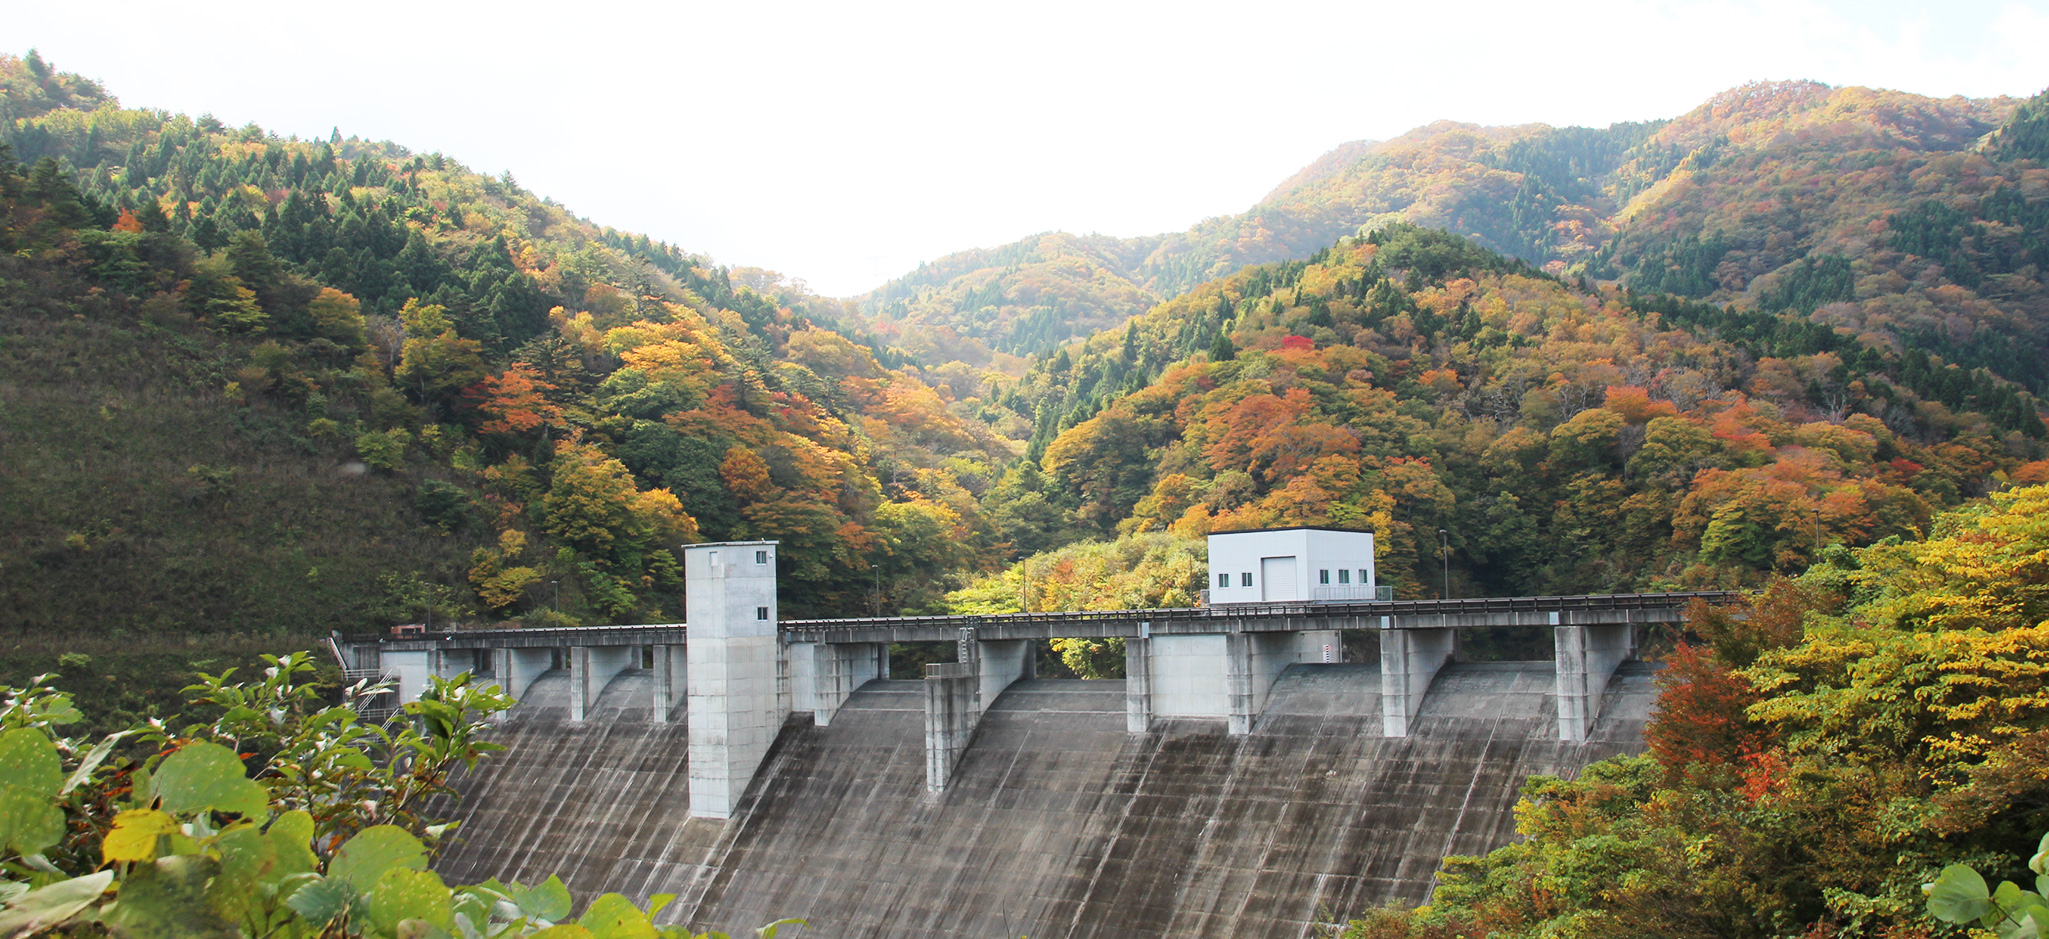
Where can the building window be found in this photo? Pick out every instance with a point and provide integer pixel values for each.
(761, 557)
(1365, 577)
(1344, 576)
(1323, 577)
(761, 612)
(1223, 581)
(1245, 579)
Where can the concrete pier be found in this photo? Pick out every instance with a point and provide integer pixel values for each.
(670, 680)
(824, 674)
(951, 716)
(1409, 661)
(1587, 658)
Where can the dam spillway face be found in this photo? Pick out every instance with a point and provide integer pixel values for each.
(1057, 822)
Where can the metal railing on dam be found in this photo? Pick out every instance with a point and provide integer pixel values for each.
(1263, 617)
(1111, 624)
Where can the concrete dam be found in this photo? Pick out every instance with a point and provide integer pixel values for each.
(1237, 782)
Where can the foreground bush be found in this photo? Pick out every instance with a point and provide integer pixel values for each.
(279, 817)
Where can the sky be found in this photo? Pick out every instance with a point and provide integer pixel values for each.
(842, 144)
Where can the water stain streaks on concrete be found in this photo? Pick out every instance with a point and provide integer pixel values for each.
(1057, 822)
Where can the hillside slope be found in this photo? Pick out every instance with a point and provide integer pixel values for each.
(296, 351)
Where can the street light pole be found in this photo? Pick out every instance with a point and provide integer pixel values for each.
(1444, 549)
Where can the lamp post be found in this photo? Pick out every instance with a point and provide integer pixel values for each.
(1444, 550)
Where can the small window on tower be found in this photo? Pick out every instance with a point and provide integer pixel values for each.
(1245, 579)
(1344, 576)
(1364, 576)
(1323, 577)
(1223, 581)
(761, 557)
(761, 612)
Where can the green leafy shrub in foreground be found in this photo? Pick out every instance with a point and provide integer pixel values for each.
(281, 817)
(1961, 895)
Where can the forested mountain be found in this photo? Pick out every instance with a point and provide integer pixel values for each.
(256, 382)
(1566, 438)
(1711, 204)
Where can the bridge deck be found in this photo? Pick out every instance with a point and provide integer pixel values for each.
(1105, 624)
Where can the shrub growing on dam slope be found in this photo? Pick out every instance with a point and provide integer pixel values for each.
(277, 817)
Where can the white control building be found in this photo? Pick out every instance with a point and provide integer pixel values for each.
(1290, 565)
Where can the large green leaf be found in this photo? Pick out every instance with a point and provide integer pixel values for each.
(28, 760)
(549, 900)
(30, 775)
(252, 859)
(29, 821)
(205, 776)
(48, 906)
(167, 900)
(373, 851)
(1958, 895)
(615, 917)
(319, 902)
(402, 894)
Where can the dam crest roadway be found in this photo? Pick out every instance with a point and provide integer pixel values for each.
(1240, 778)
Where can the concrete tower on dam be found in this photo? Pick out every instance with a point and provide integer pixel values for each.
(1241, 778)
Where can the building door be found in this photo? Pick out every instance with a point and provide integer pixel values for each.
(1277, 579)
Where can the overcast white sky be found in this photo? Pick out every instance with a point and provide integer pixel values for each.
(843, 143)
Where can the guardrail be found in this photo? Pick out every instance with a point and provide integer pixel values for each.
(1610, 601)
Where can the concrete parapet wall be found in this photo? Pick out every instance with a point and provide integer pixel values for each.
(1188, 676)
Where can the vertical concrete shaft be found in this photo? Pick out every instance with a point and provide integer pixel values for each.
(1409, 660)
(1138, 685)
(1587, 657)
(732, 669)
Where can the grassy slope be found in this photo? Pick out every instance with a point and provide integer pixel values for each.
(104, 418)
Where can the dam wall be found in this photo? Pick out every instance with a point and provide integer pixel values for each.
(1057, 821)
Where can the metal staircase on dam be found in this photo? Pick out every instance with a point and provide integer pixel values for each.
(739, 671)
